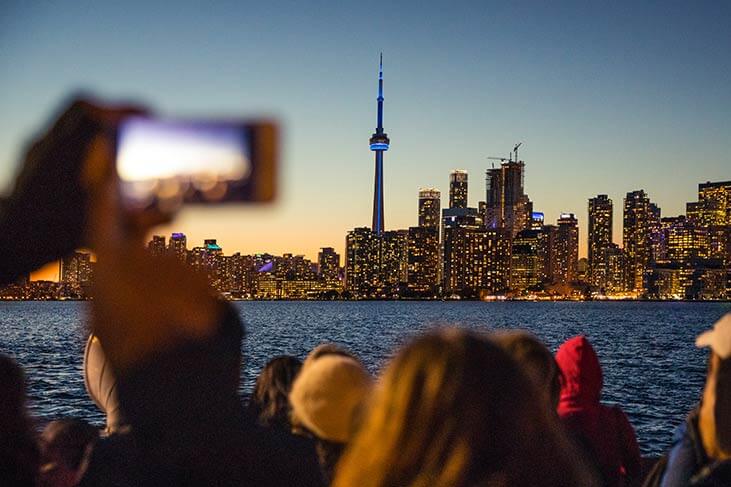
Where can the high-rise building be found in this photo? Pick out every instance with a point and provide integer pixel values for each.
(616, 272)
(375, 265)
(713, 206)
(639, 216)
(530, 259)
(240, 275)
(293, 268)
(362, 266)
(423, 259)
(178, 245)
(507, 205)
(476, 260)
(600, 237)
(379, 143)
(328, 264)
(566, 249)
(156, 246)
(393, 261)
(429, 208)
(208, 259)
(458, 189)
(76, 269)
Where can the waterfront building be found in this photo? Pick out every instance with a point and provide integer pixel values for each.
(639, 214)
(379, 143)
(208, 259)
(614, 270)
(328, 264)
(701, 280)
(178, 246)
(393, 263)
(600, 236)
(429, 208)
(566, 249)
(362, 253)
(293, 267)
(458, 189)
(530, 259)
(423, 259)
(713, 207)
(476, 260)
(76, 270)
(156, 246)
(240, 275)
(506, 204)
(582, 270)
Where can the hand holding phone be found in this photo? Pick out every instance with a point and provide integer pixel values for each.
(166, 163)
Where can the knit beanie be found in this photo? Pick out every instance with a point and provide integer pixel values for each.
(327, 395)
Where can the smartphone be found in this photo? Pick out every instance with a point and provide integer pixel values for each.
(166, 163)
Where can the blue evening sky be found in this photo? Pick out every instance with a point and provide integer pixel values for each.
(607, 97)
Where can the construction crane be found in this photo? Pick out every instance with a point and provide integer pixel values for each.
(512, 154)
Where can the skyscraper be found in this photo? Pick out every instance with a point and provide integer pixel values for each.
(600, 237)
(423, 259)
(379, 143)
(328, 264)
(566, 249)
(507, 205)
(156, 246)
(76, 269)
(637, 239)
(530, 258)
(429, 207)
(458, 189)
(713, 207)
(362, 255)
(178, 245)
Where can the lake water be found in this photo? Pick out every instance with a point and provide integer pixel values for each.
(651, 367)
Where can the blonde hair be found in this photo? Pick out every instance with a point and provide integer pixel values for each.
(453, 409)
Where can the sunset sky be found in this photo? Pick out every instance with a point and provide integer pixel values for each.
(606, 98)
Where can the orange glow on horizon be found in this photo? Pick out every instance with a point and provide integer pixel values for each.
(48, 272)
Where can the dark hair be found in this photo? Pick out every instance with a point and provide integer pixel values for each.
(270, 400)
(19, 457)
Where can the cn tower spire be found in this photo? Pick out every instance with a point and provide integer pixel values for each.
(379, 144)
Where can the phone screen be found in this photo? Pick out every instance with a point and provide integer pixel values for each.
(166, 163)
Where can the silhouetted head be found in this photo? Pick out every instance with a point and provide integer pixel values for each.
(18, 450)
(582, 374)
(66, 447)
(327, 401)
(454, 409)
(270, 399)
(536, 360)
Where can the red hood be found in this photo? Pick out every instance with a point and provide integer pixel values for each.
(582, 374)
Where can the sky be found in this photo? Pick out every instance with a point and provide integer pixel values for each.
(606, 97)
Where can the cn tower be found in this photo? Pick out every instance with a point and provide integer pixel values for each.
(379, 143)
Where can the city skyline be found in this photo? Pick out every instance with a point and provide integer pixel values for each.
(600, 96)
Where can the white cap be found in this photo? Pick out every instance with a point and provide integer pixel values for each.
(718, 338)
(328, 394)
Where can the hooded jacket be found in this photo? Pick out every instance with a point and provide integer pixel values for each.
(604, 432)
